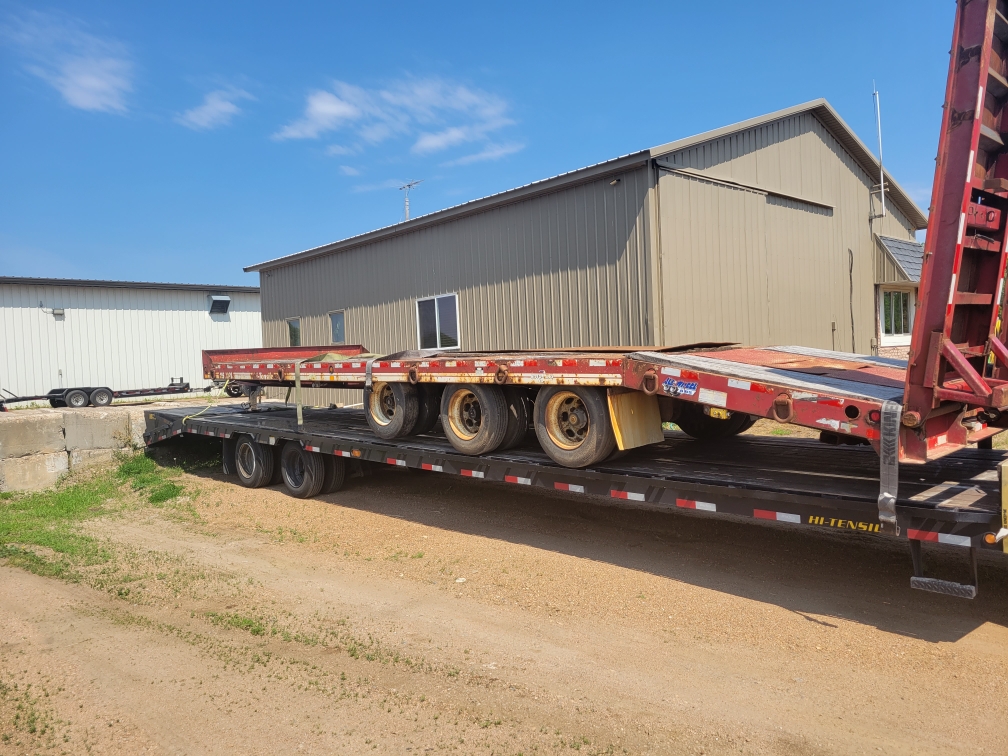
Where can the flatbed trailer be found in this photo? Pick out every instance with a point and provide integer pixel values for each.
(955, 501)
(96, 396)
(951, 394)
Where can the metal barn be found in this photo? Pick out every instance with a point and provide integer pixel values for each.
(762, 232)
(56, 333)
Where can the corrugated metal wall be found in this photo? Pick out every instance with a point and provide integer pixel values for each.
(760, 251)
(568, 268)
(116, 337)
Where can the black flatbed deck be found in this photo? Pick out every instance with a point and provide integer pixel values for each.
(954, 500)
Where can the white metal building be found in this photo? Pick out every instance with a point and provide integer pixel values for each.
(56, 333)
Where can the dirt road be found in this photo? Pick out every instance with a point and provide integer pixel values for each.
(413, 613)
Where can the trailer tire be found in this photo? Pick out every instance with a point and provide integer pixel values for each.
(474, 417)
(234, 390)
(334, 473)
(253, 462)
(101, 397)
(429, 397)
(391, 409)
(303, 471)
(517, 418)
(693, 421)
(573, 425)
(76, 399)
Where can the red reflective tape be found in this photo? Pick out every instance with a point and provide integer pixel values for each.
(472, 473)
(764, 514)
(518, 480)
(392, 461)
(572, 487)
(922, 535)
(432, 468)
(629, 495)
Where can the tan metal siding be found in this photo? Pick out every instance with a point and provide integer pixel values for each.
(886, 270)
(816, 205)
(567, 268)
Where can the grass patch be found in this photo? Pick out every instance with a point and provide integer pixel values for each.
(238, 622)
(38, 531)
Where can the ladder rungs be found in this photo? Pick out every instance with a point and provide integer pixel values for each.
(997, 85)
(972, 298)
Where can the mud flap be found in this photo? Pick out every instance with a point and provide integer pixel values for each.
(889, 463)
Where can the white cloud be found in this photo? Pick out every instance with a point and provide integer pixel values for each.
(90, 72)
(434, 114)
(490, 152)
(217, 109)
(348, 170)
(324, 111)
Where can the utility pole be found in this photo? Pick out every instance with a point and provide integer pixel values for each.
(406, 187)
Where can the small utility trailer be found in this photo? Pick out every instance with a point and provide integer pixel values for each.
(95, 396)
(589, 406)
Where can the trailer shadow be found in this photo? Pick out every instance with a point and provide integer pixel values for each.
(817, 574)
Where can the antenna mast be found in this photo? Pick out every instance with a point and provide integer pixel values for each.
(878, 126)
(406, 187)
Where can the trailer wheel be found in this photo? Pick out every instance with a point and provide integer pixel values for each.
(234, 390)
(474, 417)
(696, 422)
(429, 397)
(334, 473)
(253, 462)
(101, 397)
(391, 409)
(517, 417)
(573, 425)
(76, 399)
(303, 471)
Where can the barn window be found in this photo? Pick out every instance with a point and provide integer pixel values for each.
(294, 331)
(337, 326)
(437, 322)
(896, 317)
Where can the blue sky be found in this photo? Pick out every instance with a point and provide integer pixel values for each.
(182, 141)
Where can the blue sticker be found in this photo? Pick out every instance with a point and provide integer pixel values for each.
(679, 388)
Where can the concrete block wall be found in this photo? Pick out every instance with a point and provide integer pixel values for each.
(38, 446)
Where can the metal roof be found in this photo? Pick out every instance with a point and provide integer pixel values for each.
(820, 108)
(125, 284)
(908, 255)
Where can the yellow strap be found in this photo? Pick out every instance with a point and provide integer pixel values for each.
(211, 404)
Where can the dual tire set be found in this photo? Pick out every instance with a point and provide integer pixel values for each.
(303, 473)
(572, 423)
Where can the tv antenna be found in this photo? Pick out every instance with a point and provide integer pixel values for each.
(406, 188)
(878, 126)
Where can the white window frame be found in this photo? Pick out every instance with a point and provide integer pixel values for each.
(437, 319)
(901, 340)
(287, 322)
(331, 341)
